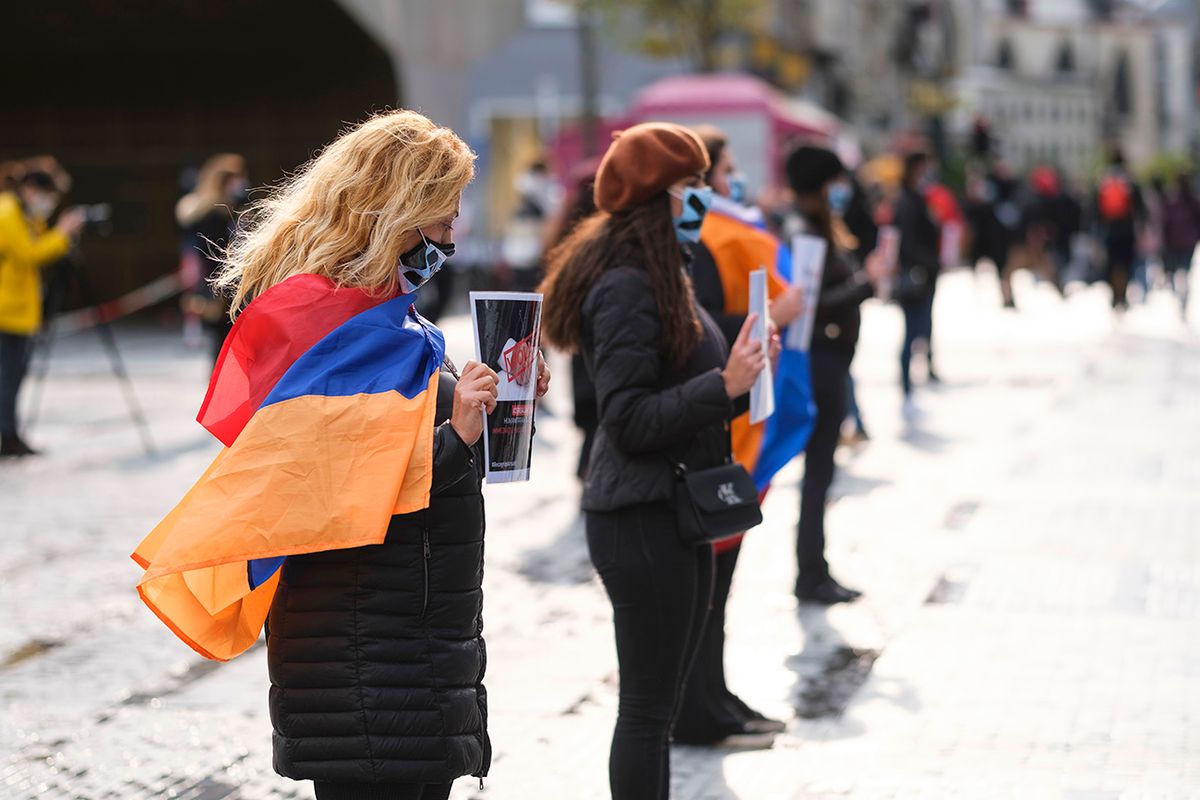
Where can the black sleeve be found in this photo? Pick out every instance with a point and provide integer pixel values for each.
(453, 460)
(638, 416)
(741, 403)
(1140, 209)
(852, 291)
(711, 294)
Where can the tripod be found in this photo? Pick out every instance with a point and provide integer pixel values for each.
(70, 271)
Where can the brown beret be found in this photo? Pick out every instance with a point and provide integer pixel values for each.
(644, 160)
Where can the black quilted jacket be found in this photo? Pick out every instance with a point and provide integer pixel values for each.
(375, 653)
(650, 415)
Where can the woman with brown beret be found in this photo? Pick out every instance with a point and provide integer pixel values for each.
(618, 292)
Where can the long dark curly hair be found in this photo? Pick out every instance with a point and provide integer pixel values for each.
(639, 236)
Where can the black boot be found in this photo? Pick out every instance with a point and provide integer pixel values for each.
(825, 593)
(754, 720)
(11, 445)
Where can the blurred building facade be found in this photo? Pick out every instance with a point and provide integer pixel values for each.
(1058, 80)
(129, 97)
(1061, 79)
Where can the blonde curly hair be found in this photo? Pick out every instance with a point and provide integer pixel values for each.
(349, 213)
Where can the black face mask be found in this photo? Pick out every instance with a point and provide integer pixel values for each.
(418, 265)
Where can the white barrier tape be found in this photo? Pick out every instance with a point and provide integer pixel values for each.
(143, 297)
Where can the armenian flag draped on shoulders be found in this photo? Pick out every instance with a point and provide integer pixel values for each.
(739, 244)
(324, 398)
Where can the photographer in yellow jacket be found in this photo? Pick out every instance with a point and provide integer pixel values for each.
(27, 245)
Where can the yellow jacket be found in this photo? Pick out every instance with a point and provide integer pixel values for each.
(24, 250)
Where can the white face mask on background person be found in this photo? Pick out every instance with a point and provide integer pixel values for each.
(839, 195)
(41, 205)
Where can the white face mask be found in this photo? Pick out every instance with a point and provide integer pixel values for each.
(41, 206)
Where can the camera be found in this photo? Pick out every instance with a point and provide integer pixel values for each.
(97, 213)
(98, 217)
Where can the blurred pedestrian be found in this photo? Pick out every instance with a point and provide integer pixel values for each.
(538, 198)
(920, 261)
(812, 174)
(987, 237)
(731, 246)
(1119, 210)
(375, 652)
(947, 215)
(580, 205)
(666, 384)
(208, 217)
(10, 175)
(1068, 226)
(1041, 208)
(1181, 232)
(27, 245)
(1147, 262)
(857, 211)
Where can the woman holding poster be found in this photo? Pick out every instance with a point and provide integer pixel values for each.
(617, 292)
(814, 173)
(346, 503)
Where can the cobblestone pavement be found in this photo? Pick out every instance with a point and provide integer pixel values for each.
(1029, 548)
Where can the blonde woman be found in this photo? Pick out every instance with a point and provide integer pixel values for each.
(352, 509)
(207, 216)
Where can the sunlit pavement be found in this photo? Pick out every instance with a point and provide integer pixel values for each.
(1029, 548)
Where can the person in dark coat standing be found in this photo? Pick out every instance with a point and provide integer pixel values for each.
(618, 292)
(711, 714)
(812, 172)
(920, 262)
(208, 218)
(375, 653)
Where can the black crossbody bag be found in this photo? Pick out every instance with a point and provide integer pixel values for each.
(714, 503)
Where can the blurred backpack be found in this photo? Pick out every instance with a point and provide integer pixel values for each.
(1115, 199)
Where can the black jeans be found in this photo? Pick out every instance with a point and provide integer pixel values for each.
(660, 590)
(707, 712)
(381, 791)
(829, 371)
(14, 361)
(918, 324)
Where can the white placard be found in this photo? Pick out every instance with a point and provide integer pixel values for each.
(888, 244)
(808, 265)
(762, 393)
(507, 330)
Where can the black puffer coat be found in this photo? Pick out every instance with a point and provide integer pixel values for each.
(375, 653)
(651, 416)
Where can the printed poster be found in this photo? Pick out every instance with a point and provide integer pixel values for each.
(507, 328)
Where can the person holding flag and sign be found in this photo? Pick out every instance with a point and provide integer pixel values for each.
(812, 173)
(345, 510)
(732, 245)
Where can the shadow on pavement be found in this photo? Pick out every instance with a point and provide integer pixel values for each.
(831, 673)
(915, 435)
(563, 561)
